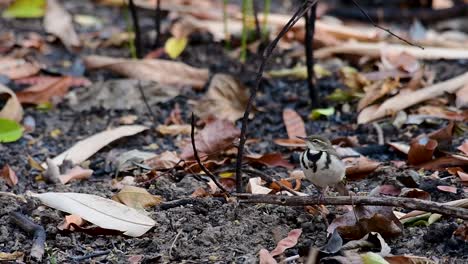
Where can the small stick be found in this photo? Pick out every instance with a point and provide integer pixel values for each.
(202, 167)
(253, 91)
(269, 180)
(38, 245)
(157, 23)
(136, 29)
(258, 31)
(310, 18)
(407, 203)
(380, 134)
(145, 100)
(382, 28)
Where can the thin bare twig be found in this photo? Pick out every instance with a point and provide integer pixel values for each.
(202, 167)
(407, 203)
(136, 29)
(380, 134)
(157, 23)
(253, 91)
(267, 178)
(38, 245)
(310, 18)
(145, 101)
(382, 28)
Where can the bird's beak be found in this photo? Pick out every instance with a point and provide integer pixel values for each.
(303, 138)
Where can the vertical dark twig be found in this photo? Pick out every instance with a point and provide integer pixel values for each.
(258, 31)
(202, 167)
(310, 18)
(145, 100)
(253, 91)
(136, 29)
(157, 23)
(38, 244)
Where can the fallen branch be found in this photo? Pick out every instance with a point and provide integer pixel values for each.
(375, 50)
(404, 100)
(407, 203)
(38, 245)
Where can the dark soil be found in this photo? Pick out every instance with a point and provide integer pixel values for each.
(208, 231)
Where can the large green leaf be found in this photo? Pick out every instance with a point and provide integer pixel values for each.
(9, 130)
(26, 9)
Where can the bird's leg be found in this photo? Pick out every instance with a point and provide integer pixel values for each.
(322, 191)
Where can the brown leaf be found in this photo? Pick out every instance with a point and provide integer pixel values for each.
(17, 68)
(165, 160)
(76, 81)
(359, 168)
(409, 98)
(174, 130)
(12, 108)
(443, 163)
(464, 147)
(287, 242)
(421, 150)
(462, 97)
(9, 176)
(462, 232)
(450, 189)
(400, 60)
(370, 219)
(58, 21)
(294, 124)
(416, 193)
(216, 136)
(70, 222)
(463, 176)
(290, 142)
(376, 91)
(408, 259)
(269, 159)
(136, 197)
(226, 98)
(76, 173)
(162, 71)
(43, 92)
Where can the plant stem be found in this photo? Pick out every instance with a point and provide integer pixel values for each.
(136, 29)
(266, 12)
(310, 17)
(243, 53)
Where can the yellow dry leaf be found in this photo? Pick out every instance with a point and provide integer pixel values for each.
(136, 197)
(175, 46)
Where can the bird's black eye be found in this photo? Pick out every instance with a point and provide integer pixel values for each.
(315, 140)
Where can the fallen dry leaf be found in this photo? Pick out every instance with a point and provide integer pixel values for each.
(294, 124)
(58, 21)
(462, 231)
(290, 142)
(174, 130)
(360, 167)
(463, 176)
(287, 242)
(102, 212)
(215, 136)
(136, 197)
(464, 147)
(462, 97)
(226, 98)
(70, 221)
(399, 60)
(421, 150)
(76, 173)
(165, 160)
(87, 147)
(255, 186)
(44, 91)
(370, 219)
(15, 256)
(269, 159)
(443, 163)
(162, 71)
(376, 91)
(9, 175)
(17, 68)
(12, 108)
(408, 259)
(409, 98)
(450, 189)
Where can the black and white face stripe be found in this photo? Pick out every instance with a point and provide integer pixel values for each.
(309, 159)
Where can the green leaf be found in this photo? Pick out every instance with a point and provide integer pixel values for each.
(373, 258)
(44, 107)
(175, 46)
(340, 95)
(10, 131)
(298, 72)
(25, 9)
(317, 113)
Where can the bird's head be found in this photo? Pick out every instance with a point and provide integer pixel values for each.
(317, 143)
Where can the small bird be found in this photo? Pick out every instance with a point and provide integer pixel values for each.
(321, 163)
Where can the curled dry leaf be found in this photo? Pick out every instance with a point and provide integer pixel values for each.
(17, 68)
(174, 130)
(58, 21)
(216, 136)
(226, 98)
(376, 91)
(409, 98)
(269, 159)
(162, 71)
(165, 160)
(464, 147)
(421, 150)
(102, 212)
(359, 168)
(445, 188)
(255, 186)
(285, 243)
(9, 175)
(44, 91)
(399, 60)
(85, 148)
(369, 219)
(76, 173)
(136, 197)
(294, 124)
(12, 108)
(70, 221)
